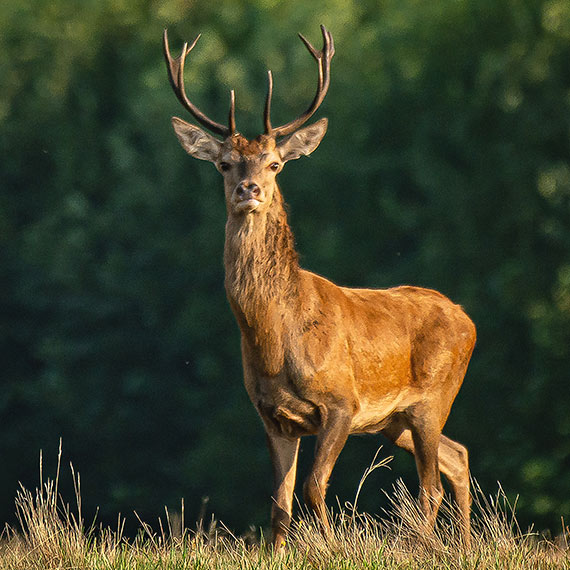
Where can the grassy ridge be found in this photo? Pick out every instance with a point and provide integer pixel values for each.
(52, 535)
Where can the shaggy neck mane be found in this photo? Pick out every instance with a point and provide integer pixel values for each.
(260, 259)
(262, 276)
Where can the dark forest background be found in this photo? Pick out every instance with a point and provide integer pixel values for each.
(446, 165)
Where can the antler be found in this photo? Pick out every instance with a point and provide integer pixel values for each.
(176, 75)
(323, 59)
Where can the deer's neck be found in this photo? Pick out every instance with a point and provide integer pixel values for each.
(262, 271)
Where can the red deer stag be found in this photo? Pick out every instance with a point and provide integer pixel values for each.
(319, 359)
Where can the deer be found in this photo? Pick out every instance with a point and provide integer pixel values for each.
(320, 359)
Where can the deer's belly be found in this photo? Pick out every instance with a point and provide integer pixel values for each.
(373, 416)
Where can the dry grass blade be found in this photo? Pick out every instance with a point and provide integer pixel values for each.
(50, 533)
(385, 462)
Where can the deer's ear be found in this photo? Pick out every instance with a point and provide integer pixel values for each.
(302, 142)
(195, 141)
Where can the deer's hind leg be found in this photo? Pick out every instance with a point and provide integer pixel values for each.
(453, 462)
(421, 438)
(425, 436)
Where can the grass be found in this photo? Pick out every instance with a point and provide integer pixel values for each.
(51, 535)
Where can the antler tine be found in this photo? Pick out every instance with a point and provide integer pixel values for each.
(232, 119)
(267, 110)
(323, 58)
(175, 69)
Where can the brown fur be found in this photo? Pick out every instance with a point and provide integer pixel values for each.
(330, 361)
(254, 147)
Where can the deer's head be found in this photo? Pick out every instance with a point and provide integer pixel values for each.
(249, 167)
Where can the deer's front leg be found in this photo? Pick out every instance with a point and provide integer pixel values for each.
(330, 441)
(284, 454)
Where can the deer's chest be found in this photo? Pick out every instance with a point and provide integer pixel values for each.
(283, 410)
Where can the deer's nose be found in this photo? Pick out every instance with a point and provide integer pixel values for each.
(247, 190)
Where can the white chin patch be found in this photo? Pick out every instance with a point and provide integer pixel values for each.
(247, 206)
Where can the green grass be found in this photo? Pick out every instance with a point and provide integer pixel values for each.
(52, 535)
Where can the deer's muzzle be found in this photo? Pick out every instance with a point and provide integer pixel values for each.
(247, 196)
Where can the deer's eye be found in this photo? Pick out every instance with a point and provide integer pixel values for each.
(225, 166)
(274, 166)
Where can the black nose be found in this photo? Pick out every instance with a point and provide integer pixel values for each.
(247, 190)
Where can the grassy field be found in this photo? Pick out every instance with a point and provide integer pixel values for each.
(53, 535)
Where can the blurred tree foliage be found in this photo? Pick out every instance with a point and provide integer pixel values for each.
(446, 165)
